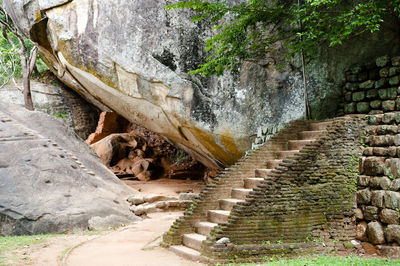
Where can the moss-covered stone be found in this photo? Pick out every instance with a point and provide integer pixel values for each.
(369, 84)
(384, 72)
(381, 83)
(363, 107)
(394, 80)
(358, 96)
(398, 104)
(392, 93)
(376, 104)
(351, 86)
(350, 108)
(371, 94)
(394, 71)
(383, 61)
(347, 97)
(383, 94)
(388, 105)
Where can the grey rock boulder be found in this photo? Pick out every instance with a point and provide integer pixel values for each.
(50, 180)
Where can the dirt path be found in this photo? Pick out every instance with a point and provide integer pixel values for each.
(137, 244)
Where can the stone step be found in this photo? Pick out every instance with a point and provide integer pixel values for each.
(252, 182)
(262, 172)
(310, 134)
(240, 193)
(319, 126)
(285, 154)
(193, 240)
(298, 144)
(227, 204)
(204, 228)
(271, 164)
(218, 216)
(187, 253)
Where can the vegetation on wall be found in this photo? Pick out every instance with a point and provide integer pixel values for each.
(248, 29)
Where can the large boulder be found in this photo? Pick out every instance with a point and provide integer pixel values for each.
(51, 181)
(133, 56)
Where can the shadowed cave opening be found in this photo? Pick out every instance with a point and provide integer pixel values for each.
(145, 160)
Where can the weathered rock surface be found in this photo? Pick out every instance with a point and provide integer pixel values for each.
(132, 56)
(50, 180)
(56, 100)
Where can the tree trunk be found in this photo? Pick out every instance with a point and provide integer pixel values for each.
(27, 85)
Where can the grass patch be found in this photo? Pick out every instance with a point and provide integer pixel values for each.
(328, 260)
(8, 244)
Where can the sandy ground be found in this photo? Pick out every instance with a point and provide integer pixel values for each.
(135, 244)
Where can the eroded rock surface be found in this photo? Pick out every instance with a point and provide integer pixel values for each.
(50, 180)
(132, 56)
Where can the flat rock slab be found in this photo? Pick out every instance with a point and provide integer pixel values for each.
(50, 180)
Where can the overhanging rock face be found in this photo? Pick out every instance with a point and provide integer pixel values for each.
(132, 56)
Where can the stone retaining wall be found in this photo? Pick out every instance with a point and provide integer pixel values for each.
(373, 88)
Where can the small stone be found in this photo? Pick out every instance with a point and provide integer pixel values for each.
(384, 72)
(392, 93)
(351, 86)
(385, 183)
(187, 196)
(389, 105)
(394, 81)
(135, 200)
(395, 185)
(356, 69)
(389, 216)
(358, 96)
(381, 83)
(369, 84)
(374, 182)
(393, 233)
(361, 231)
(383, 61)
(397, 117)
(396, 61)
(376, 104)
(368, 151)
(358, 214)
(392, 168)
(394, 71)
(363, 180)
(371, 213)
(374, 119)
(223, 240)
(375, 233)
(377, 198)
(396, 141)
(374, 165)
(372, 94)
(388, 118)
(363, 107)
(398, 103)
(391, 199)
(347, 96)
(383, 94)
(364, 196)
(350, 108)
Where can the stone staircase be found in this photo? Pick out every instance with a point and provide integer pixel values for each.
(261, 164)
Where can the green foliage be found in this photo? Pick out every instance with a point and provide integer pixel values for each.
(249, 29)
(61, 115)
(181, 157)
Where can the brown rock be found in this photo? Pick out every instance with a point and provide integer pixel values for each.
(363, 180)
(109, 123)
(374, 165)
(364, 196)
(393, 233)
(391, 199)
(377, 198)
(389, 216)
(371, 213)
(385, 183)
(369, 248)
(358, 214)
(395, 184)
(392, 168)
(361, 231)
(375, 233)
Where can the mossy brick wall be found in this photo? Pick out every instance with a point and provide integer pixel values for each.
(373, 88)
(310, 198)
(378, 194)
(225, 181)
